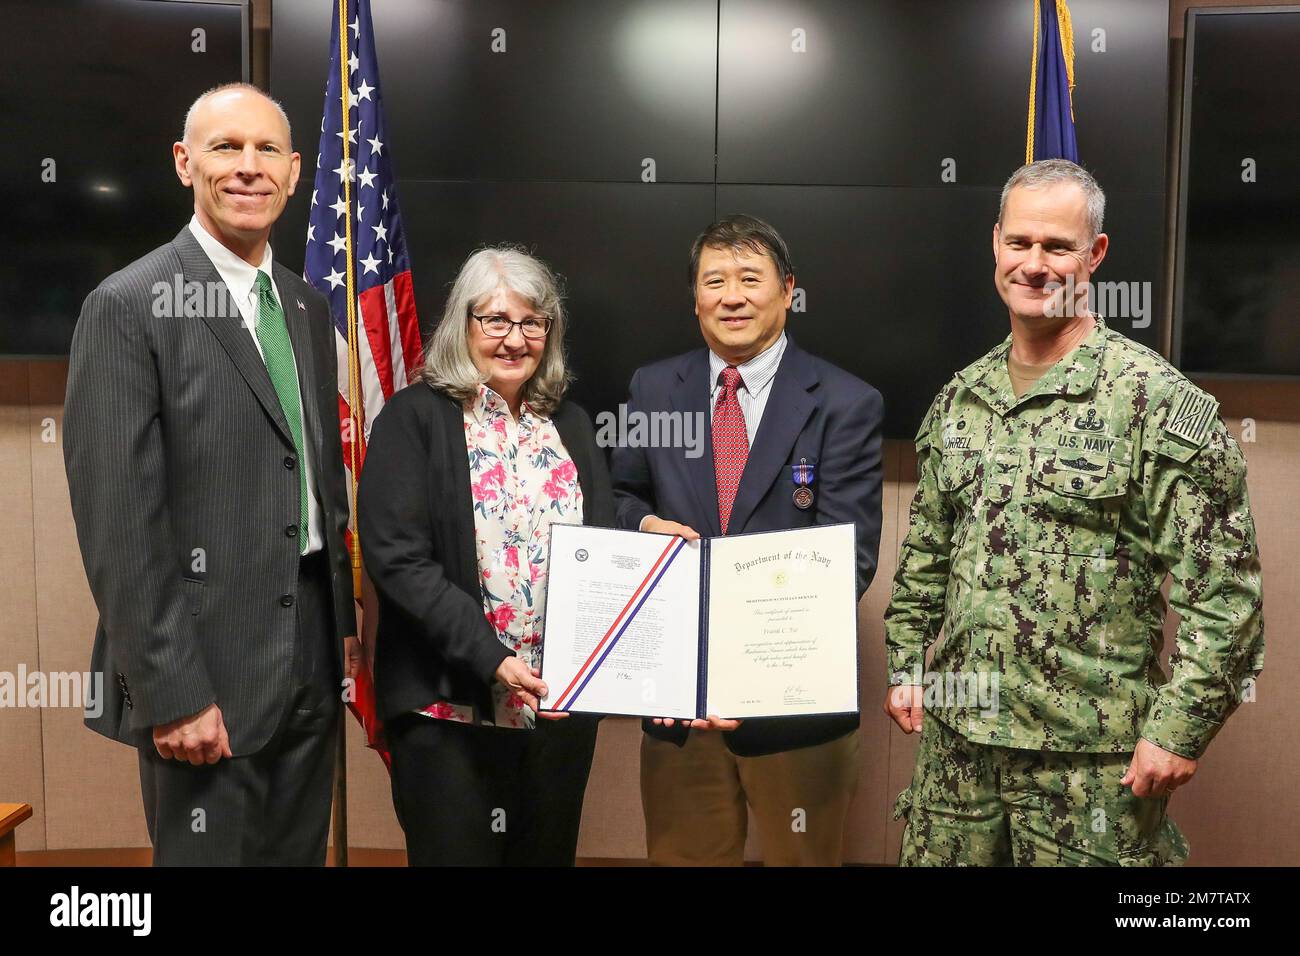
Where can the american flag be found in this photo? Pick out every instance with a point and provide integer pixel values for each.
(356, 255)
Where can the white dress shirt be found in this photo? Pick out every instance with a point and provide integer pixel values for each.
(756, 385)
(241, 280)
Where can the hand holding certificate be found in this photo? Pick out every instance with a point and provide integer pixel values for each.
(758, 625)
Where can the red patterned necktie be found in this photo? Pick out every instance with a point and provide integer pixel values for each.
(730, 443)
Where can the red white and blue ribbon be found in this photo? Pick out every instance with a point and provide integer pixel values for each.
(634, 604)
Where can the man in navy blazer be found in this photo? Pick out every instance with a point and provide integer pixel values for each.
(797, 775)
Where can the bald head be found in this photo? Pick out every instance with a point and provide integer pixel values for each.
(227, 92)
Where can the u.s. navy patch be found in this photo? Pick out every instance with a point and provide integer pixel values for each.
(1191, 413)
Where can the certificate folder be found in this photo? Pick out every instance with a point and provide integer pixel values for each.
(745, 626)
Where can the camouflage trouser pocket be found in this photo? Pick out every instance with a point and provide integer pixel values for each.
(1166, 847)
(903, 805)
(908, 854)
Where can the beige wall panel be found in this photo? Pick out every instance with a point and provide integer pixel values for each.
(21, 771)
(864, 836)
(82, 769)
(371, 819)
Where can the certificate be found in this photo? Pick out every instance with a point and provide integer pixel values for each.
(754, 625)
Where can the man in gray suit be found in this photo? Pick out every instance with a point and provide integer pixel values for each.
(206, 475)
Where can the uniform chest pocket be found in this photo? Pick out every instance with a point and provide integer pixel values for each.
(1000, 469)
(957, 481)
(1074, 501)
(958, 469)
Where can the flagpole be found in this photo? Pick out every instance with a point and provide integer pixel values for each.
(340, 750)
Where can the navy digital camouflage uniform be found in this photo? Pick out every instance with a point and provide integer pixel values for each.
(1040, 534)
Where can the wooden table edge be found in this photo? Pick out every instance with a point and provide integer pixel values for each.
(12, 814)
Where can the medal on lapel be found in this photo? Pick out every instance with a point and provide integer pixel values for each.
(803, 476)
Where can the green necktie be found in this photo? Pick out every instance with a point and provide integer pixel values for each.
(277, 352)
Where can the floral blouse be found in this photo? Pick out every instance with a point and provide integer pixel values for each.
(522, 481)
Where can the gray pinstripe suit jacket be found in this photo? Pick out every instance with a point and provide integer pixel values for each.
(184, 485)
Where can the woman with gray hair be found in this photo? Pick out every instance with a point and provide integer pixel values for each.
(465, 472)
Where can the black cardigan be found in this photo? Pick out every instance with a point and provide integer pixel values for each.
(416, 520)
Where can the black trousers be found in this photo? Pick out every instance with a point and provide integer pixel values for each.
(271, 808)
(489, 796)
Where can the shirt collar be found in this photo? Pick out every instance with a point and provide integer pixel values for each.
(1074, 375)
(488, 404)
(237, 274)
(757, 373)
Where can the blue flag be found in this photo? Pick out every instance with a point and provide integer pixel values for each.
(1051, 85)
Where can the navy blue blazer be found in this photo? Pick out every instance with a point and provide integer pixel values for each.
(814, 411)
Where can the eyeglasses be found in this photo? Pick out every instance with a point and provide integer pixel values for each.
(498, 326)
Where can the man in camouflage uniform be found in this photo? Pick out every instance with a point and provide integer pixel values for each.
(1060, 477)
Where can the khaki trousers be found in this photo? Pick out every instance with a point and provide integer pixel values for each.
(695, 799)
